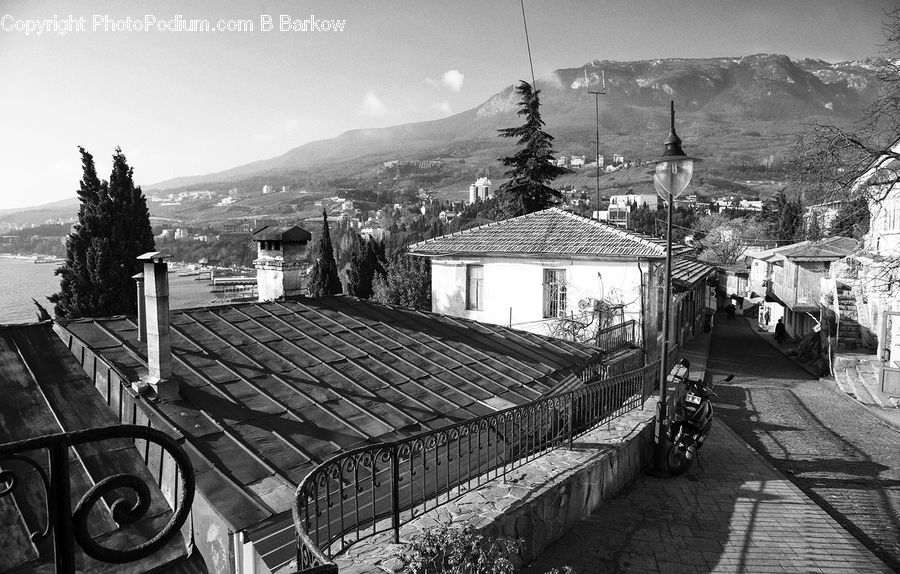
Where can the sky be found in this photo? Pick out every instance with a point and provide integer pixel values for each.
(182, 102)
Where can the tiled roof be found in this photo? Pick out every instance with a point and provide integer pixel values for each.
(551, 231)
(270, 390)
(687, 272)
(272, 233)
(44, 391)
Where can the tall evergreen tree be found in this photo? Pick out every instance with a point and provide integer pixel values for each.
(113, 229)
(324, 279)
(406, 283)
(365, 264)
(852, 219)
(533, 166)
(785, 218)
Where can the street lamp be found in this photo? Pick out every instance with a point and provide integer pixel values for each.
(672, 176)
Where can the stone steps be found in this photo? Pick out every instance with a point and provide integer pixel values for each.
(858, 377)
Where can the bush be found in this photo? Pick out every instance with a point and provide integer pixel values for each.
(460, 551)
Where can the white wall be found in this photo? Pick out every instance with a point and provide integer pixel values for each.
(513, 288)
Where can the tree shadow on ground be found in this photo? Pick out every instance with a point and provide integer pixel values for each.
(768, 405)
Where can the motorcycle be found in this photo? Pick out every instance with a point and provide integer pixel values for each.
(692, 419)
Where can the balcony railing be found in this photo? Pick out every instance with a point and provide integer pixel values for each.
(373, 489)
(124, 498)
(616, 337)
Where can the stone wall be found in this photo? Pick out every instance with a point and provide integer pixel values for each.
(537, 502)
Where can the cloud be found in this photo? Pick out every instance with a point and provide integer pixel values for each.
(372, 106)
(453, 79)
(442, 107)
(554, 80)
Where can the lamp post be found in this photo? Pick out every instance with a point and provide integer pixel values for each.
(671, 177)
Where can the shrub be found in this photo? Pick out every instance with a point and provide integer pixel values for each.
(460, 551)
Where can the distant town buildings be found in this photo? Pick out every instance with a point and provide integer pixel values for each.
(480, 190)
(267, 189)
(576, 161)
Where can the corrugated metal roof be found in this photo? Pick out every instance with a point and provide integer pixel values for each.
(828, 249)
(269, 390)
(688, 272)
(551, 231)
(43, 391)
(289, 234)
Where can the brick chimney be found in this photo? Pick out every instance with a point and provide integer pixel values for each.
(156, 305)
(282, 254)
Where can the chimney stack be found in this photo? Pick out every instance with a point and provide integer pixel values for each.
(156, 307)
(282, 253)
(141, 308)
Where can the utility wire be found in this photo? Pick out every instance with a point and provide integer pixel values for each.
(528, 44)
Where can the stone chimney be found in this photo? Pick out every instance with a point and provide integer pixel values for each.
(282, 253)
(156, 305)
(141, 308)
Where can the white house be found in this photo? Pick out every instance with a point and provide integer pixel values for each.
(872, 276)
(531, 272)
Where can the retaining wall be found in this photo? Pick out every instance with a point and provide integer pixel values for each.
(536, 503)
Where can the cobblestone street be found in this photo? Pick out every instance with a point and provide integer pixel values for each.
(843, 457)
(831, 506)
(733, 514)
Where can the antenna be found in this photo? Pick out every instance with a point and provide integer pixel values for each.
(528, 44)
(597, 94)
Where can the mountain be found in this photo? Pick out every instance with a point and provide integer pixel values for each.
(729, 110)
(63, 209)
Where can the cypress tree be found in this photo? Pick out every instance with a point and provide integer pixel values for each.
(324, 279)
(533, 166)
(365, 264)
(113, 229)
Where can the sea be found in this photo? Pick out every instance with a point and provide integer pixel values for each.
(23, 279)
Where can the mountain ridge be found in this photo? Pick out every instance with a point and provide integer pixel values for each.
(757, 88)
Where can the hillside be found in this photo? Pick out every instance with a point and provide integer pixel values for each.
(730, 111)
(736, 113)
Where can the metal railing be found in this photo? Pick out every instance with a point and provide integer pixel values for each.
(374, 488)
(123, 498)
(616, 337)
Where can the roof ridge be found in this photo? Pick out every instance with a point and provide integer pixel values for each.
(631, 236)
(477, 227)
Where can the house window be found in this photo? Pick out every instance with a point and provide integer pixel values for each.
(474, 287)
(554, 292)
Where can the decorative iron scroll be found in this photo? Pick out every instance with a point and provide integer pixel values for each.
(68, 525)
(370, 489)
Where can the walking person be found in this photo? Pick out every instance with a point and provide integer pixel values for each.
(780, 331)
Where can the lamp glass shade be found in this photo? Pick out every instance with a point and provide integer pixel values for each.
(673, 177)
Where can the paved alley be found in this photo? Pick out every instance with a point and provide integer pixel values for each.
(735, 512)
(834, 449)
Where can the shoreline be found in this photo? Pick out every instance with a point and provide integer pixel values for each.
(32, 257)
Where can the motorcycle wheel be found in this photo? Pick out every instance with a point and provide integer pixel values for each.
(677, 461)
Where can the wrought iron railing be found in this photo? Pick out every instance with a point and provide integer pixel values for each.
(125, 498)
(374, 488)
(616, 337)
